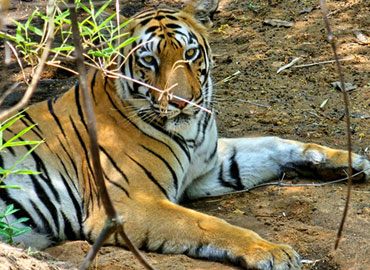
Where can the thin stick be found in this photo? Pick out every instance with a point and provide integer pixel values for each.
(18, 60)
(114, 221)
(323, 62)
(36, 77)
(280, 184)
(346, 109)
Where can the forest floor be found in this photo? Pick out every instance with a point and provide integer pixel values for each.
(298, 103)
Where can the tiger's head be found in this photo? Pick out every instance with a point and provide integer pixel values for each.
(171, 52)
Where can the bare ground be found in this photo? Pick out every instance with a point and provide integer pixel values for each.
(291, 104)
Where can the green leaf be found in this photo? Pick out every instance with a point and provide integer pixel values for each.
(106, 21)
(36, 30)
(64, 48)
(25, 155)
(85, 8)
(28, 23)
(16, 136)
(4, 233)
(101, 9)
(12, 187)
(126, 42)
(20, 220)
(21, 26)
(119, 36)
(20, 143)
(10, 121)
(24, 172)
(122, 25)
(97, 53)
(10, 210)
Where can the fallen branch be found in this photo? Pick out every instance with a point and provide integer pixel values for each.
(346, 109)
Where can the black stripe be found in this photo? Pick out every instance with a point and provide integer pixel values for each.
(146, 134)
(82, 143)
(45, 199)
(159, 17)
(77, 206)
(70, 158)
(28, 117)
(173, 26)
(116, 185)
(114, 163)
(46, 226)
(145, 22)
(221, 179)
(173, 173)
(151, 29)
(150, 176)
(65, 168)
(213, 154)
(51, 110)
(234, 171)
(34, 130)
(68, 229)
(78, 104)
(10, 149)
(40, 166)
(92, 86)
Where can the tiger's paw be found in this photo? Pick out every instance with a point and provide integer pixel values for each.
(361, 165)
(269, 256)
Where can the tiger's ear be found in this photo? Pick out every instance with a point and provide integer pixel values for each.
(202, 10)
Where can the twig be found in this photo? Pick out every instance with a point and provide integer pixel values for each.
(36, 77)
(295, 60)
(18, 60)
(114, 221)
(253, 103)
(324, 62)
(346, 109)
(229, 78)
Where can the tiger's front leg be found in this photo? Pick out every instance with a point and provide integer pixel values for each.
(164, 227)
(246, 162)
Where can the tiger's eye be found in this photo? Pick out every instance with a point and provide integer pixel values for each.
(148, 59)
(189, 53)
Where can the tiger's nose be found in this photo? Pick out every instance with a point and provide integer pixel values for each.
(179, 103)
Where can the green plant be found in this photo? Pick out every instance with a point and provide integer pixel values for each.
(13, 142)
(8, 230)
(99, 33)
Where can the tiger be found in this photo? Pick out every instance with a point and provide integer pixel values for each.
(154, 156)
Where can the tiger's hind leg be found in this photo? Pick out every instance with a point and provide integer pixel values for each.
(246, 162)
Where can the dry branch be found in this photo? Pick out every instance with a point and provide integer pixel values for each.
(114, 222)
(346, 109)
(36, 77)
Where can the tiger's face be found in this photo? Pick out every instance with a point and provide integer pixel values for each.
(171, 53)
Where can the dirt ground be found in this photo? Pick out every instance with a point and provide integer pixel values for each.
(297, 103)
